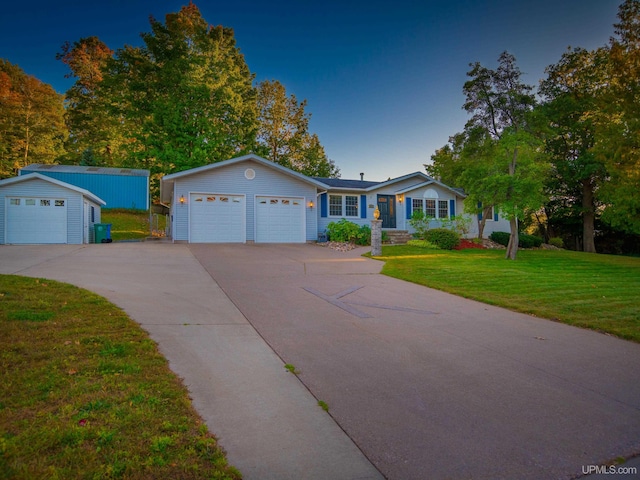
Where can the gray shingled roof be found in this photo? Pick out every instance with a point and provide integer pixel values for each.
(342, 183)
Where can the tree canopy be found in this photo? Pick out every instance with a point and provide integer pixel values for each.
(283, 133)
(574, 156)
(32, 128)
(183, 99)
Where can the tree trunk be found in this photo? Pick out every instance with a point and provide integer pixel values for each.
(588, 217)
(512, 248)
(481, 223)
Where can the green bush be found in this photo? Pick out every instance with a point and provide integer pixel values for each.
(529, 241)
(524, 240)
(346, 231)
(443, 238)
(420, 223)
(422, 244)
(364, 235)
(556, 242)
(501, 238)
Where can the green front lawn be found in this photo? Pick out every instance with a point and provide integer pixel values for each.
(84, 393)
(600, 292)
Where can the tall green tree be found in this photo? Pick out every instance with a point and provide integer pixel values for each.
(32, 128)
(619, 124)
(283, 133)
(573, 94)
(96, 134)
(186, 96)
(465, 162)
(500, 105)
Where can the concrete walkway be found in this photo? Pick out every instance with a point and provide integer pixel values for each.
(268, 422)
(425, 384)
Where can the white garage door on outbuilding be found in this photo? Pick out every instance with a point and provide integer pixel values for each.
(217, 218)
(280, 219)
(36, 220)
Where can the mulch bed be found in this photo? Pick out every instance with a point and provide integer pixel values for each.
(464, 243)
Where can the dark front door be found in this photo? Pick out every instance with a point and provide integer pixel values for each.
(387, 207)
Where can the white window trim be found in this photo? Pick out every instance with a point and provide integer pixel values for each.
(343, 208)
(437, 210)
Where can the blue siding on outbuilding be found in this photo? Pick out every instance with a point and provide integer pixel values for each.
(118, 191)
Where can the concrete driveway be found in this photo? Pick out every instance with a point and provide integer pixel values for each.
(420, 383)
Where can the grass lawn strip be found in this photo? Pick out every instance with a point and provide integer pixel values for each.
(86, 394)
(592, 291)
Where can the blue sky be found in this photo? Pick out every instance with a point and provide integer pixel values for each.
(383, 79)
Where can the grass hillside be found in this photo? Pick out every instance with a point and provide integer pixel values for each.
(132, 224)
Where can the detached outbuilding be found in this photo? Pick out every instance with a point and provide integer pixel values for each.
(120, 187)
(36, 209)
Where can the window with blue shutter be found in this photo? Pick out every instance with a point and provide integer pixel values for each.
(363, 206)
(409, 207)
(452, 207)
(323, 205)
(495, 214)
(480, 210)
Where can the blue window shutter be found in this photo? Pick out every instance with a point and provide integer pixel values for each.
(363, 206)
(323, 205)
(409, 207)
(452, 207)
(480, 210)
(495, 214)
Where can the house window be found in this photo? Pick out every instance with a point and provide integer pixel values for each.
(430, 207)
(45, 203)
(15, 201)
(351, 205)
(343, 205)
(335, 205)
(443, 209)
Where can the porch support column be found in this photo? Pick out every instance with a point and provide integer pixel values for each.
(376, 238)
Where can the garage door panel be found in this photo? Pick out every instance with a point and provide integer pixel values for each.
(216, 218)
(36, 220)
(280, 219)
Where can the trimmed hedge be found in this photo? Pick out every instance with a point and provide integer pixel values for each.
(500, 237)
(442, 238)
(524, 240)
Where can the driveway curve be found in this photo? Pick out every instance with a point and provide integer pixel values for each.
(419, 383)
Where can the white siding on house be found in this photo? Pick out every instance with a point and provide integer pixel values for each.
(231, 179)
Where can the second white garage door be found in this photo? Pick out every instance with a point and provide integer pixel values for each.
(280, 219)
(216, 218)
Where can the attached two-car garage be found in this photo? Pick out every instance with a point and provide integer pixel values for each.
(221, 218)
(241, 200)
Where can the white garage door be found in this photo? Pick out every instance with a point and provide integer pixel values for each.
(36, 220)
(216, 218)
(280, 220)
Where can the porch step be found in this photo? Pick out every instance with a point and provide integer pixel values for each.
(398, 237)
